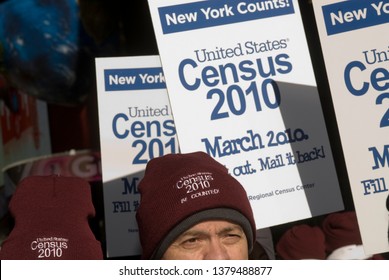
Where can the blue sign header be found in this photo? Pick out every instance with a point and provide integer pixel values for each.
(206, 14)
(356, 14)
(134, 79)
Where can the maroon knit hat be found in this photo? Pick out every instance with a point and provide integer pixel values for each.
(341, 229)
(180, 190)
(51, 220)
(302, 242)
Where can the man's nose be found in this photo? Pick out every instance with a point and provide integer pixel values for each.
(216, 251)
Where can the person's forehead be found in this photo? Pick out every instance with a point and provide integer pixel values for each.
(213, 226)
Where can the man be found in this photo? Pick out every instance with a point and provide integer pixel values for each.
(191, 208)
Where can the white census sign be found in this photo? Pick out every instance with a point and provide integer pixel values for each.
(242, 88)
(354, 39)
(136, 125)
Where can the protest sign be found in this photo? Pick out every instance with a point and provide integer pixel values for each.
(242, 88)
(355, 49)
(135, 126)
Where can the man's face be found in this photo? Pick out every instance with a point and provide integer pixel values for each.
(210, 240)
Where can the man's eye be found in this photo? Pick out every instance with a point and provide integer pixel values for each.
(190, 243)
(191, 240)
(232, 238)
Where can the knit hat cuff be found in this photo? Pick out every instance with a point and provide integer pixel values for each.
(206, 215)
